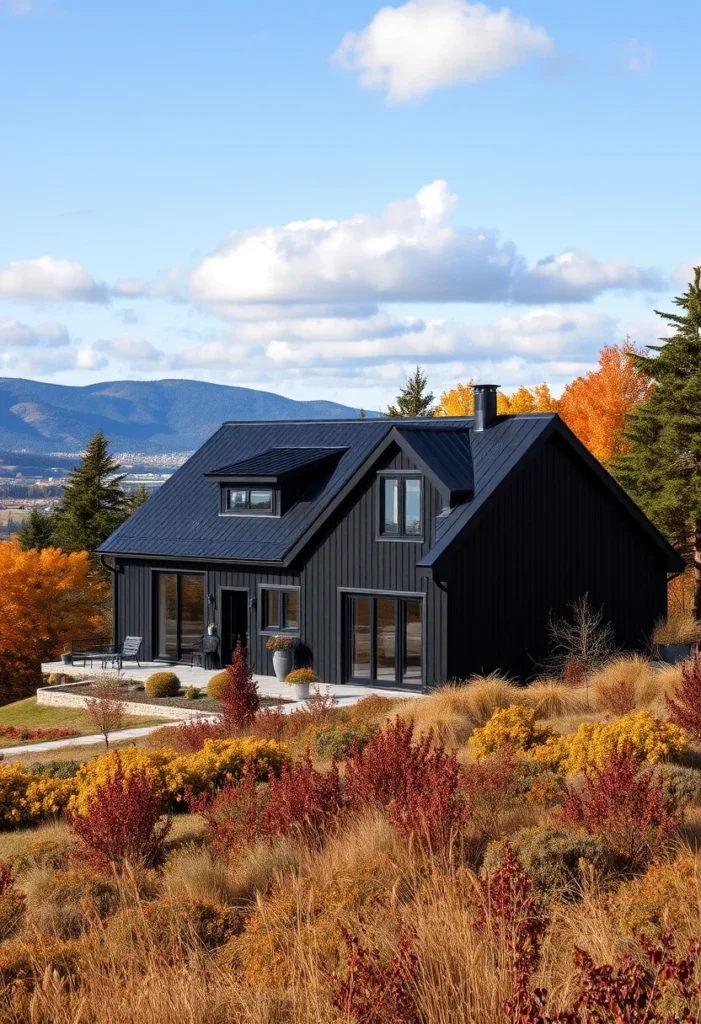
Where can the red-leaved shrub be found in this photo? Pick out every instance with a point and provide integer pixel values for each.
(302, 802)
(518, 925)
(269, 723)
(233, 817)
(419, 784)
(123, 822)
(191, 736)
(14, 732)
(638, 990)
(624, 805)
(372, 992)
(685, 703)
(240, 700)
(320, 705)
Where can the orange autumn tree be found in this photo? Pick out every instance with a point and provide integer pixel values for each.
(459, 401)
(46, 598)
(595, 406)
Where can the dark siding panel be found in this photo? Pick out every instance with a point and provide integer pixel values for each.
(553, 534)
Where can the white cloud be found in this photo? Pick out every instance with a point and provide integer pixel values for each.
(88, 358)
(18, 6)
(432, 44)
(634, 57)
(49, 280)
(14, 334)
(577, 277)
(410, 252)
(684, 273)
(536, 337)
(127, 316)
(134, 349)
(166, 286)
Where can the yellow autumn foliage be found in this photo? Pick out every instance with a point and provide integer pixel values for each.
(648, 738)
(26, 798)
(514, 726)
(206, 770)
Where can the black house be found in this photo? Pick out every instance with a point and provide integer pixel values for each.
(402, 552)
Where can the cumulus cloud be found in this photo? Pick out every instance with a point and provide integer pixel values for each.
(409, 252)
(14, 334)
(431, 44)
(168, 286)
(88, 358)
(133, 349)
(49, 280)
(534, 337)
(578, 277)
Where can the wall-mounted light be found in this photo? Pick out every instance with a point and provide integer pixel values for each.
(251, 603)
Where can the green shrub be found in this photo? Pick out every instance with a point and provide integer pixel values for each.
(55, 769)
(217, 685)
(679, 784)
(42, 853)
(192, 693)
(553, 857)
(340, 741)
(163, 684)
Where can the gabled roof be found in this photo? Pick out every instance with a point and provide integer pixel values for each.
(181, 519)
(277, 463)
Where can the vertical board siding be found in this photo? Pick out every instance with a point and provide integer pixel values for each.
(347, 554)
(550, 536)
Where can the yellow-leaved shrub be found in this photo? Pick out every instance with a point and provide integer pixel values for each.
(26, 798)
(171, 773)
(646, 737)
(514, 726)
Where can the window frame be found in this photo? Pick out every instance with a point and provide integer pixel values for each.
(401, 599)
(156, 573)
(246, 510)
(401, 476)
(284, 590)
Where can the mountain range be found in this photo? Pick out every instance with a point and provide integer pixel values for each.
(152, 417)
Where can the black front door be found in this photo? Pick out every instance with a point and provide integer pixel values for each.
(234, 622)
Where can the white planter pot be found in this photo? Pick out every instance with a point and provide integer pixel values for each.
(300, 691)
(282, 664)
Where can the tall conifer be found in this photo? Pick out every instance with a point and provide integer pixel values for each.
(93, 504)
(662, 468)
(413, 399)
(36, 532)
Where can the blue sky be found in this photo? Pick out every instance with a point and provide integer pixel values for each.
(312, 198)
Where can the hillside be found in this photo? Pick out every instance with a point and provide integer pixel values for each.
(138, 416)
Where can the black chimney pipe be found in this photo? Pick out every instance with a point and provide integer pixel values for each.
(485, 405)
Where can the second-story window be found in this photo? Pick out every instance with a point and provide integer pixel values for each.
(400, 506)
(248, 499)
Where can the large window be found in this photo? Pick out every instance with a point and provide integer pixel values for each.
(400, 512)
(248, 500)
(279, 610)
(180, 601)
(385, 640)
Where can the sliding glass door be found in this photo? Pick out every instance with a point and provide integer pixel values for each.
(180, 613)
(385, 640)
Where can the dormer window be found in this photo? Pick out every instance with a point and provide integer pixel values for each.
(400, 507)
(248, 501)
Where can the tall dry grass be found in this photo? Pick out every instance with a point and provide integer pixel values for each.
(452, 712)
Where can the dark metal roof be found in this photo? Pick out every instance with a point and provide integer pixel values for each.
(181, 519)
(277, 463)
(447, 454)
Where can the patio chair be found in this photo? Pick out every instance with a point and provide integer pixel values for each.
(129, 652)
(206, 647)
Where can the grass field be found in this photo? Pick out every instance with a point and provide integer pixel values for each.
(16, 514)
(31, 715)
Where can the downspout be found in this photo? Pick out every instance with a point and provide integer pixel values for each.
(115, 573)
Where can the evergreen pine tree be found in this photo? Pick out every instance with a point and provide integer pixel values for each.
(137, 498)
(413, 400)
(662, 467)
(36, 531)
(93, 504)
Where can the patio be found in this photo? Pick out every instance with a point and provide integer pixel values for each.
(268, 686)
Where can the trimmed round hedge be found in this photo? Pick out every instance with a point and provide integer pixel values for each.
(217, 685)
(162, 684)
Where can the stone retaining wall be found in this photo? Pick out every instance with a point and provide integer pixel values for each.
(57, 697)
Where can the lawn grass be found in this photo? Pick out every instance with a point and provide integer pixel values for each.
(31, 715)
